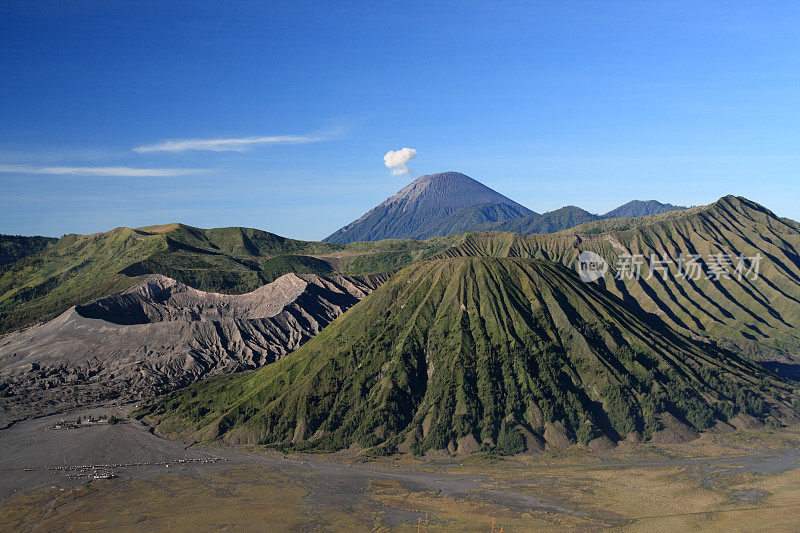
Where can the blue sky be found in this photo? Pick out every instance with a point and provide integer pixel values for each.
(291, 106)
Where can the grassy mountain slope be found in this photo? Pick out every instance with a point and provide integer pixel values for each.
(15, 247)
(759, 315)
(461, 353)
(79, 268)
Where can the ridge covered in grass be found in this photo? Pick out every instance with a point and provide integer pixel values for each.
(757, 314)
(467, 353)
(77, 269)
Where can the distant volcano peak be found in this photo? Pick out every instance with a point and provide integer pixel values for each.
(446, 203)
(452, 203)
(449, 189)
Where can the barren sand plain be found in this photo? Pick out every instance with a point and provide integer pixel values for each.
(54, 479)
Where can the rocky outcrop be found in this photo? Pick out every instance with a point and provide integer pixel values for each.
(162, 299)
(161, 335)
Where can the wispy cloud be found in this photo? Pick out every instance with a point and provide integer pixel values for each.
(227, 145)
(121, 172)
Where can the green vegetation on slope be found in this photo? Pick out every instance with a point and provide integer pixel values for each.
(80, 268)
(76, 269)
(459, 353)
(15, 247)
(550, 222)
(760, 316)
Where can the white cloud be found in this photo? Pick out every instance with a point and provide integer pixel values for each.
(397, 160)
(122, 172)
(226, 145)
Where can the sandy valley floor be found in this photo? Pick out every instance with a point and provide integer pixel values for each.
(742, 481)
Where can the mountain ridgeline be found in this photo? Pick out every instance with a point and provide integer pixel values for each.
(15, 247)
(486, 340)
(549, 222)
(77, 269)
(42, 277)
(758, 313)
(161, 335)
(463, 354)
(451, 203)
(434, 205)
(572, 216)
(639, 208)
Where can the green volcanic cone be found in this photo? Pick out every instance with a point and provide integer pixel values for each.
(464, 353)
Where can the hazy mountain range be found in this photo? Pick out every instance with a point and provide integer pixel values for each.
(486, 339)
(451, 203)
